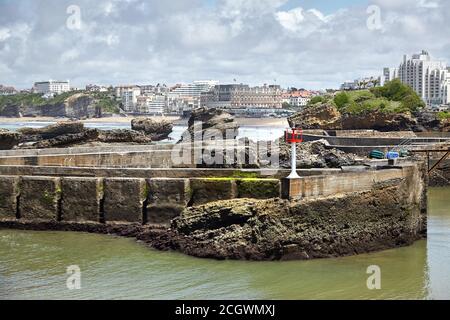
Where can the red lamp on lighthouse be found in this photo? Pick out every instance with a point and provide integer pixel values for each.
(293, 136)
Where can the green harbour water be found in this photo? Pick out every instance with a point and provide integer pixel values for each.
(33, 266)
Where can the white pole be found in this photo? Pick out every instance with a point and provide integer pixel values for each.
(294, 174)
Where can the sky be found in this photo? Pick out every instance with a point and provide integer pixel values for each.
(313, 44)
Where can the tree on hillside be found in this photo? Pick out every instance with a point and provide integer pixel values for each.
(397, 91)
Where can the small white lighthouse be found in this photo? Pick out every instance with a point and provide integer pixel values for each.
(294, 136)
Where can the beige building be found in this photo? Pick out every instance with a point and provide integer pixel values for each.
(238, 96)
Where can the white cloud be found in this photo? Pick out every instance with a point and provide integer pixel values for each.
(292, 19)
(4, 34)
(428, 4)
(69, 55)
(302, 22)
(253, 41)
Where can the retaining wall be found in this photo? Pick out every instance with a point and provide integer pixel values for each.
(29, 170)
(158, 200)
(318, 186)
(127, 200)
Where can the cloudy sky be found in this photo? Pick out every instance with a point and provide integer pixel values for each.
(302, 43)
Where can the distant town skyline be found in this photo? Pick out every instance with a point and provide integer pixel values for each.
(304, 44)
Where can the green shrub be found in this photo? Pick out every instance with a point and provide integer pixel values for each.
(341, 100)
(444, 115)
(395, 90)
(316, 99)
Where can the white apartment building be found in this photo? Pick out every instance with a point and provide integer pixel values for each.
(96, 88)
(128, 95)
(185, 97)
(51, 87)
(194, 89)
(299, 101)
(151, 104)
(428, 77)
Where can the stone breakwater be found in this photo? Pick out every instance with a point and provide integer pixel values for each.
(388, 212)
(325, 215)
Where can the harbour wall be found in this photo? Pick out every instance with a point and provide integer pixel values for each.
(157, 200)
(127, 200)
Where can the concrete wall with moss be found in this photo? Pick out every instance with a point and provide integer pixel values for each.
(118, 199)
(159, 200)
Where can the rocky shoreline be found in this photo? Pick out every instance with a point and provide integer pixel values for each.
(72, 133)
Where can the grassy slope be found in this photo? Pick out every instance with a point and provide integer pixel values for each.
(393, 97)
(364, 100)
(103, 100)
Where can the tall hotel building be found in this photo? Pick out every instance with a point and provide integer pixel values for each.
(429, 78)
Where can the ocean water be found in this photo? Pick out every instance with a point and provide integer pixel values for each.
(33, 265)
(255, 133)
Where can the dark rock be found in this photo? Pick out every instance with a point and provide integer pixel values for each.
(66, 140)
(52, 131)
(207, 123)
(123, 135)
(276, 229)
(428, 121)
(66, 134)
(8, 139)
(316, 154)
(157, 130)
(378, 120)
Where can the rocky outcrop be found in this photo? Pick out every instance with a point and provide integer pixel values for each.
(8, 139)
(122, 136)
(327, 117)
(385, 217)
(316, 154)
(378, 120)
(52, 131)
(80, 106)
(428, 121)
(64, 140)
(324, 116)
(65, 134)
(206, 124)
(77, 106)
(157, 130)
